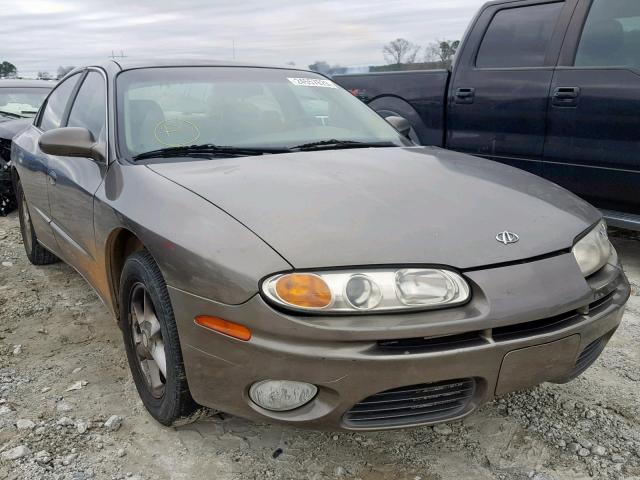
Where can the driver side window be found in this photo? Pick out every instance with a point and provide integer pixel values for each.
(57, 102)
(89, 108)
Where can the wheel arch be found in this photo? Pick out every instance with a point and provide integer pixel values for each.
(121, 244)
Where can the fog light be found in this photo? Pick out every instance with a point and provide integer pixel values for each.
(281, 395)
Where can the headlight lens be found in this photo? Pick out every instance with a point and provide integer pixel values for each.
(593, 251)
(367, 291)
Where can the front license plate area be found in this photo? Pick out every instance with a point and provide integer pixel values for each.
(531, 366)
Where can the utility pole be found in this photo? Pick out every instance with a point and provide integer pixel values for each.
(233, 45)
(114, 55)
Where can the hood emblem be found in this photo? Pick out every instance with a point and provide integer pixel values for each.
(507, 237)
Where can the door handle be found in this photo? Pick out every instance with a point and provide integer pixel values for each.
(465, 95)
(566, 96)
(53, 177)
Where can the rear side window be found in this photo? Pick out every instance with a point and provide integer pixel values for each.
(611, 35)
(89, 107)
(519, 37)
(56, 104)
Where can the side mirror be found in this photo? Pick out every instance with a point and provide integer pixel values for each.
(401, 124)
(70, 142)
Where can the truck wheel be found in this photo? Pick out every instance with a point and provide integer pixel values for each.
(36, 253)
(388, 106)
(151, 341)
(413, 135)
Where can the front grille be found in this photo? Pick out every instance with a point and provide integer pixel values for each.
(497, 334)
(415, 404)
(601, 303)
(427, 344)
(589, 355)
(537, 327)
(546, 325)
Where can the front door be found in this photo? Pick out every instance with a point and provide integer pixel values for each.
(34, 163)
(499, 92)
(593, 140)
(74, 181)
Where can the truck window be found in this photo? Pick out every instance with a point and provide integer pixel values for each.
(519, 37)
(611, 35)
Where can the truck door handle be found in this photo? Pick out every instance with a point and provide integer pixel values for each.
(566, 96)
(53, 177)
(465, 95)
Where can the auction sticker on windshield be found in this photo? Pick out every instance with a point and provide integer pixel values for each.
(312, 82)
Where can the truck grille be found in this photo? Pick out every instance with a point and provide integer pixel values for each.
(589, 355)
(415, 404)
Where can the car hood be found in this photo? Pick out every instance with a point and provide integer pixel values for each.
(10, 127)
(416, 205)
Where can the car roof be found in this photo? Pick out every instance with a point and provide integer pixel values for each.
(504, 2)
(130, 64)
(19, 83)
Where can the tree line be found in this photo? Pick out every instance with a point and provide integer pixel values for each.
(9, 70)
(401, 54)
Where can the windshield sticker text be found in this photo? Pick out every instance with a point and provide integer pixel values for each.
(312, 82)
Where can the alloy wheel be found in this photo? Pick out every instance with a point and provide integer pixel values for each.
(147, 339)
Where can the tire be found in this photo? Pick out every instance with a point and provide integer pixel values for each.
(165, 396)
(36, 253)
(388, 106)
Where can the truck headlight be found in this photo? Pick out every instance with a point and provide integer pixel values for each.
(367, 291)
(592, 252)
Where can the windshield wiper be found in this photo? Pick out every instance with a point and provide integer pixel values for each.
(336, 144)
(207, 149)
(11, 114)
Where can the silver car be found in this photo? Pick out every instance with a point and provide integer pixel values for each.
(272, 248)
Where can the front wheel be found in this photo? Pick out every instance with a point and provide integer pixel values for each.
(151, 341)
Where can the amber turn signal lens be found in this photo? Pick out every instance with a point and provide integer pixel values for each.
(304, 290)
(225, 327)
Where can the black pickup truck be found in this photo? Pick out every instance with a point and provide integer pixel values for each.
(552, 87)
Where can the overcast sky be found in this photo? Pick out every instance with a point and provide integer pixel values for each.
(43, 34)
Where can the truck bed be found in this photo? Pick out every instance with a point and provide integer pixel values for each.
(417, 95)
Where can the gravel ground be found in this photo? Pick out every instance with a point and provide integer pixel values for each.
(69, 409)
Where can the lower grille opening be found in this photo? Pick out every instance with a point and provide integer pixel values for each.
(427, 344)
(415, 404)
(589, 355)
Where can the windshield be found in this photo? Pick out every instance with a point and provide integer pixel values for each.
(240, 107)
(23, 102)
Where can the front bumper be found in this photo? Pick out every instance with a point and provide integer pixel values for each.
(526, 324)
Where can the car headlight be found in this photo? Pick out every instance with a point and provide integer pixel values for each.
(367, 291)
(593, 250)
